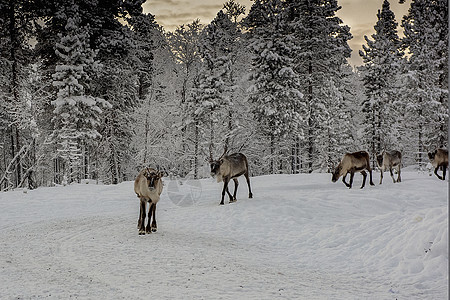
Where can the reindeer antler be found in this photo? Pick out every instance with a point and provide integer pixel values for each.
(210, 153)
(225, 149)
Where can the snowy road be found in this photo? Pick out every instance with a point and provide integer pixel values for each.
(301, 237)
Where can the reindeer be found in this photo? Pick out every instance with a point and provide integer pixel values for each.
(351, 163)
(229, 167)
(389, 160)
(148, 187)
(439, 158)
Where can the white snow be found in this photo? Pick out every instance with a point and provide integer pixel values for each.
(300, 237)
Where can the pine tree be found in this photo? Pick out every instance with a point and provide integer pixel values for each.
(116, 83)
(234, 61)
(275, 93)
(144, 29)
(184, 44)
(219, 46)
(426, 80)
(382, 62)
(323, 49)
(76, 114)
(16, 28)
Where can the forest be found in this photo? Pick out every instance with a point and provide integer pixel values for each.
(96, 89)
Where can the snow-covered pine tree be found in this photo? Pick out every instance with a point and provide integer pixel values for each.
(349, 113)
(143, 28)
(157, 108)
(76, 113)
(382, 61)
(323, 51)
(235, 63)
(111, 39)
(425, 92)
(116, 83)
(275, 94)
(184, 43)
(218, 46)
(16, 28)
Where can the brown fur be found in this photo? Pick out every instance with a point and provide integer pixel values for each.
(390, 160)
(146, 178)
(351, 163)
(230, 167)
(439, 159)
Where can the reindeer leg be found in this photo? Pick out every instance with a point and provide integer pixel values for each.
(225, 189)
(154, 226)
(148, 228)
(142, 217)
(229, 194)
(399, 178)
(392, 174)
(370, 176)
(364, 174)
(236, 184)
(381, 176)
(345, 182)
(435, 172)
(351, 179)
(228, 191)
(250, 195)
(140, 213)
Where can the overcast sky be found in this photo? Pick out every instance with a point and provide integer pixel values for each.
(360, 15)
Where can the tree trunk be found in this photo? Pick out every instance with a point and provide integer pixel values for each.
(310, 120)
(196, 141)
(144, 163)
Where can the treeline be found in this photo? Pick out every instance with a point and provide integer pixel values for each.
(97, 89)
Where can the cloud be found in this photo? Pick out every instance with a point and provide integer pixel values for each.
(173, 13)
(360, 15)
(161, 2)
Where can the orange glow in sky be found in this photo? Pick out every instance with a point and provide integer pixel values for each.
(360, 15)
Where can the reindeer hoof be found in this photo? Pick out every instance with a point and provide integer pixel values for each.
(141, 232)
(250, 196)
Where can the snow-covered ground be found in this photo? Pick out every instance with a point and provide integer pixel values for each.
(300, 237)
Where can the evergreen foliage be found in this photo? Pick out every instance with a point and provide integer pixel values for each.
(77, 114)
(382, 59)
(97, 89)
(426, 76)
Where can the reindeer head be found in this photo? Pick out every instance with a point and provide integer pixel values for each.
(152, 177)
(215, 166)
(432, 155)
(380, 159)
(336, 173)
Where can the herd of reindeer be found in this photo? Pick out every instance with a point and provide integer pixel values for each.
(148, 184)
